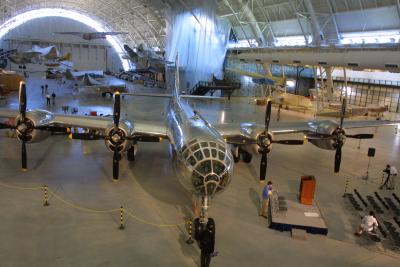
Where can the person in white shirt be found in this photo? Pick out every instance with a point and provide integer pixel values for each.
(368, 224)
(393, 177)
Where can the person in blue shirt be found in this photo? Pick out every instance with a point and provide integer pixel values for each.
(267, 191)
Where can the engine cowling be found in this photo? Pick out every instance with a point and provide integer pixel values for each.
(325, 128)
(116, 137)
(258, 135)
(33, 119)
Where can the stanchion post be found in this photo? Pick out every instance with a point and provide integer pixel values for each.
(190, 241)
(345, 187)
(121, 218)
(46, 197)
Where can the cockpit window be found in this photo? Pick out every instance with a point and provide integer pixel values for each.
(206, 153)
(192, 142)
(221, 147)
(213, 144)
(204, 167)
(218, 167)
(192, 161)
(195, 147)
(199, 155)
(204, 144)
(221, 155)
(214, 153)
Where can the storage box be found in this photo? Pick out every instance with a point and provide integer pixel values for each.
(307, 190)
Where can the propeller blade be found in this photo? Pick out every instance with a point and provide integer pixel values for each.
(22, 99)
(338, 156)
(360, 136)
(117, 108)
(289, 142)
(263, 166)
(54, 129)
(268, 115)
(115, 165)
(85, 136)
(23, 156)
(343, 113)
(5, 126)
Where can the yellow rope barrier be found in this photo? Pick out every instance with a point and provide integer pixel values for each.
(73, 205)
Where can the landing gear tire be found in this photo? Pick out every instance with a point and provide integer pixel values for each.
(236, 159)
(246, 156)
(131, 154)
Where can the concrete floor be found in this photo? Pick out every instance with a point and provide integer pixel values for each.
(80, 172)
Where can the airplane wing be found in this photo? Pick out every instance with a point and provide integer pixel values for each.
(142, 128)
(249, 74)
(114, 33)
(245, 133)
(69, 33)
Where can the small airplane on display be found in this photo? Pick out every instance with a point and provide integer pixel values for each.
(48, 56)
(145, 59)
(104, 86)
(279, 95)
(78, 75)
(261, 78)
(91, 35)
(204, 154)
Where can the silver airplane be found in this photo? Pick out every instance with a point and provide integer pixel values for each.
(204, 154)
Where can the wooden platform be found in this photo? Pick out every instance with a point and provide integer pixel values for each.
(297, 216)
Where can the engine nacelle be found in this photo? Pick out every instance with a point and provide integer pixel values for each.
(255, 135)
(117, 136)
(327, 127)
(33, 119)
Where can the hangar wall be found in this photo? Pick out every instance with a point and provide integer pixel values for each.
(95, 54)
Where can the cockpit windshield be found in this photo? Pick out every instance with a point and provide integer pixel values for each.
(211, 166)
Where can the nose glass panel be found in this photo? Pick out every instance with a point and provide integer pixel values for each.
(211, 166)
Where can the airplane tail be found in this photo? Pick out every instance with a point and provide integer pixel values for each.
(175, 91)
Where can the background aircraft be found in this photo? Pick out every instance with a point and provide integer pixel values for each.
(103, 86)
(91, 35)
(48, 56)
(77, 75)
(146, 59)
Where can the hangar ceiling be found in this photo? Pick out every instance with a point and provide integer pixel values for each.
(262, 20)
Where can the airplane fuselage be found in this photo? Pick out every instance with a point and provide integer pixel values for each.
(204, 161)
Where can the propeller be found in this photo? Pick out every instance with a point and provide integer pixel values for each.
(116, 136)
(339, 137)
(265, 141)
(25, 126)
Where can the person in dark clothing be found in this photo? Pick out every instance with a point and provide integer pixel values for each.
(386, 172)
(205, 237)
(53, 97)
(42, 87)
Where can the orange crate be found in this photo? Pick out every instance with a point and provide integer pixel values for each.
(307, 190)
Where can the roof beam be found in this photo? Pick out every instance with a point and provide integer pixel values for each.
(318, 35)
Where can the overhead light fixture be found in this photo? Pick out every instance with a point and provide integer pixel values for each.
(20, 19)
